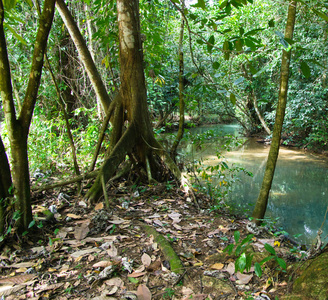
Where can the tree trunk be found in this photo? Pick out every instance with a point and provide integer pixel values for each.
(262, 201)
(18, 128)
(84, 54)
(137, 138)
(181, 91)
(5, 184)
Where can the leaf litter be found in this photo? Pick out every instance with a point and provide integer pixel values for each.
(94, 253)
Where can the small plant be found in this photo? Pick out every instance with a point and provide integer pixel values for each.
(244, 260)
(169, 293)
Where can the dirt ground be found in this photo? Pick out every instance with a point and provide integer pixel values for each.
(105, 253)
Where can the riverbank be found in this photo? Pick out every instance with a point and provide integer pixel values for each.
(99, 253)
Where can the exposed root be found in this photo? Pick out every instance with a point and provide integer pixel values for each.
(174, 260)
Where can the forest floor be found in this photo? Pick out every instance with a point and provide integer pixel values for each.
(99, 253)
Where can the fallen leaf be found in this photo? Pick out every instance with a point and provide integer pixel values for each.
(137, 274)
(102, 264)
(22, 265)
(217, 266)
(143, 293)
(112, 252)
(115, 281)
(81, 232)
(17, 279)
(199, 297)
(146, 260)
(77, 254)
(231, 268)
(73, 216)
(187, 291)
(156, 265)
(99, 206)
(243, 278)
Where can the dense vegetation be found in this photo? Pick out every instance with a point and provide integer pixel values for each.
(232, 57)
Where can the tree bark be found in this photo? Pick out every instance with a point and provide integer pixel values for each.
(181, 92)
(137, 139)
(5, 184)
(84, 54)
(262, 201)
(18, 128)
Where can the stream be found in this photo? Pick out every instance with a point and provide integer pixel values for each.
(299, 193)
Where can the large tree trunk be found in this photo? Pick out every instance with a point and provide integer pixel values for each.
(18, 128)
(5, 184)
(262, 201)
(137, 138)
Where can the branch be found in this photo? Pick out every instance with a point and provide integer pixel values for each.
(37, 63)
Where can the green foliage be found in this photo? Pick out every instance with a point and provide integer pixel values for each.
(239, 249)
(244, 258)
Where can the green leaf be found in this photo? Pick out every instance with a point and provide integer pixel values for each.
(226, 50)
(247, 239)
(241, 263)
(271, 23)
(238, 250)
(269, 248)
(133, 280)
(263, 261)
(200, 3)
(229, 248)
(321, 14)
(199, 41)
(9, 4)
(252, 69)
(215, 65)
(236, 236)
(249, 259)
(18, 37)
(211, 41)
(233, 98)
(32, 223)
(254, 31)
(239, 80)
(239, 45)
(305, 69)
(281, 263)
(258, 269)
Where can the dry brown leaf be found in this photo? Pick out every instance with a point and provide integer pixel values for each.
(200, 297)
(99, 206)
(146, 260)
(81, 232)
(187, 291)
(115, 281)
(243, 278)
(231, 268)
(102, 264)
(112, 252)
(156, 265)
(73, 216)
(143, 293)
(22, 265)
(77, 254)
(17, 279)
(217, 266)
(137, 274)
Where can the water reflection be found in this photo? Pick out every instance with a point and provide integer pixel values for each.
(299, 189)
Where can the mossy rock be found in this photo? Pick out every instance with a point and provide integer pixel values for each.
(312, 283)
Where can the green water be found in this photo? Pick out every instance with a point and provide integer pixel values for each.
(299, 193)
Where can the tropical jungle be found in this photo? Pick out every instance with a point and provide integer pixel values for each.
(163, 149)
